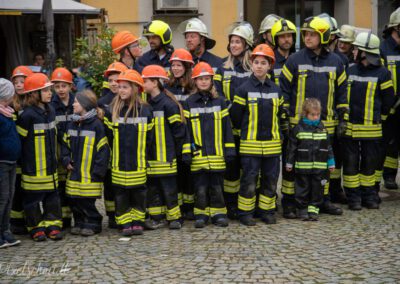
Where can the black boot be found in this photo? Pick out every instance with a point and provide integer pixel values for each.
(328, 208)
(355, 206)
(247, 220)
(390, 183)
(269, 219)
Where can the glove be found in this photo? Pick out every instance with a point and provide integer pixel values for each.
(341, 129)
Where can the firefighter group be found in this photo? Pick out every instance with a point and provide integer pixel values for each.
(182, 134)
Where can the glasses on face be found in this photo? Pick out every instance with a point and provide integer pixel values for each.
(135, 45)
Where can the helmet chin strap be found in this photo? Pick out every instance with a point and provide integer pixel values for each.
(359, 58)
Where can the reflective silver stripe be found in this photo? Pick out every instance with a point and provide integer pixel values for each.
(83, 133)
(44, 126)
(88, 133)
(72, 132)
(158, 113)
(63, 118)
(237, 74)
(363, 79)
(277, 71)
(40, 139)
(181, 97)
(205, 109)
(256, 95)
(317, 69)
(393, 58)
(131, 120)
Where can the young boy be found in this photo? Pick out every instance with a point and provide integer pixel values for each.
(10, 150)
(310, 152)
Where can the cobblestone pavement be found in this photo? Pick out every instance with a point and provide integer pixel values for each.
(361, 247)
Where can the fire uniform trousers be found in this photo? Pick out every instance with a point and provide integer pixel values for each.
(185, 186)
(255, 111)
(211, 143)
(86, 148)
(151, 57)
(17, 214)
(226, 82)
(63, 116)
(131, 135)
(214, 61)
(170, 135)
(390, 53)
(371, 96)
(310, 153)
(37, 128)
(306, 75)
(104, 102)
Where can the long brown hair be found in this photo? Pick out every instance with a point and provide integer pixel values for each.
(185, 81)
(117, 104)
(18, 102)
(93, 99)
(31, 99)
(172, 97)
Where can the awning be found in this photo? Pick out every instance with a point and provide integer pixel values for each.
(19, 7)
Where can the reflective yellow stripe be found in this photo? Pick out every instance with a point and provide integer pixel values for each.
(128, 178)
(364, 131)
(217, 77)
(186, 148)
(123, 219)
(331, 91)
(226, 87)
(311, 136)
(218, 133)
(115, 154)
(141, 148)
(174, 213)
(287, 74)
(109, 205)
(311, 165)
(196, 128)
(369, 103)
(253, 120)
(287, 187)
(351, 181)
(391, 163)
(87, 159)
(198, 211)
(162, 168)
(217, 211)
(255, 147)
(106, 85)
(336, 174)
(103, 141)
(137, 215)
(275, 121)
(266, 203)
(40, 153)
(312, 209)
(174, 118)
(300, 94)
(246, 204)
(207, 163)
(66, 212)
(188, 198)
(239, 100)
(156, 210)
(392, 69)
(17, 214)
(378, 175)
(21, 131)
(39, 182)
(231, 186)
(367, 180)
(386, 85)
(84, 189)
(341, 78)
(160, 138)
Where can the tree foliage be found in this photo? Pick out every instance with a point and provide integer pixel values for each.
(94, 59)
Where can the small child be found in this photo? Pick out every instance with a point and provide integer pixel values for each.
(310, 152)
(10, 150)
(62, 103)
(211, 145)
(85, 154)
(37, 128)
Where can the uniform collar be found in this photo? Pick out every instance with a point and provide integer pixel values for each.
(279, 57)
(257, 83)
(56, 99)
(324, 53)
(392, 43)
(204, 57)
(41, 111)
(157, 98)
